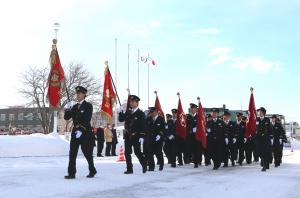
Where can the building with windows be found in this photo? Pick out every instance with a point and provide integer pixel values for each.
(20, 117)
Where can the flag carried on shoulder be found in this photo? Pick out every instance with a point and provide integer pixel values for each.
(109, 96)
(56, 77)
(251, 121)
(181, 120)
(201, 125)
(158, 106)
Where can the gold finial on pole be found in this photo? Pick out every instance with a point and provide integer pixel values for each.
(106, 63)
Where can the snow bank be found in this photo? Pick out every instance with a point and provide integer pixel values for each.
(33, 145)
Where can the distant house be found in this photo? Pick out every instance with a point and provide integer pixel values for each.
(20, 118)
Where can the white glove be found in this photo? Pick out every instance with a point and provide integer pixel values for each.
(171, 137)
(271, 141)
(141, 140)
(226, 141)
(234, 140)
(69, 105)
(245, 140)
(78, 134)
(208, 130)
(194, 130)
(280, 141)
(157, 138)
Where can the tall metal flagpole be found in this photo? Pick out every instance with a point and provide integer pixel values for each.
(148, 79)
(128, 66)
(116, 77)
(55, 119)
(138, 72)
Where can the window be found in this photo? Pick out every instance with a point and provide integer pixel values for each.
(2, 117)
(11, 117)
(20, 116)
(29, 116)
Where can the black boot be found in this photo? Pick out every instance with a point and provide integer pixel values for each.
(173, 165)
(91, 174)
(196, 166)
(144, 168)
(70, 176)
(161, 167)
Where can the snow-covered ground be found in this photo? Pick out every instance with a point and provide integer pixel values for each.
(41, 175)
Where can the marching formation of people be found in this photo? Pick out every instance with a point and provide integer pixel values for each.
(151, 136)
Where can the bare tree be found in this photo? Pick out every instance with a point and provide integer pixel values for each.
(35, 88)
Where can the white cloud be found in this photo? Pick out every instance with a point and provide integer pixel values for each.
(212, 31)
(254, 63)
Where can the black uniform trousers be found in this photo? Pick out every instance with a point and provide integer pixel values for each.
(108, 148)
(241, 150)
(155, 148)
(180, 146)
(208, 151)
(217, 148)
(171, 147)
(100, 145)
(277, 151)
(263, 146)
(249, 150)
(133, 141)
(196, 147)
(87, 148)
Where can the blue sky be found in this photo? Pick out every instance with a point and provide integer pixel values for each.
(212, 49)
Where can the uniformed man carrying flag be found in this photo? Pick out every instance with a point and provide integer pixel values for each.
(134, 134)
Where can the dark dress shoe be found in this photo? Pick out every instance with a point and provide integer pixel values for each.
(70, 177)
(128, 172)
(263, 169)
(173, 165)
(161, 167)
(196, 166)
(91, 174)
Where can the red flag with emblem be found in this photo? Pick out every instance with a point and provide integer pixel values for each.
(158, 107)
(56, 77)
(180, 121)
(109, 96)
(251, 122)
(201, 126)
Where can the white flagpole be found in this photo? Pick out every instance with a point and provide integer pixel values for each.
(148, 79)
(128, 66)
(55, 117)
(138, 72)
(116, 77)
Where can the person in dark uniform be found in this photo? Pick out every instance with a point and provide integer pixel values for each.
(114, 140)
(216, 128)
(230, 139)
(207, 151)
(134, 135)
(195, 145)
(179, 141)
(82, 134)
(263, 138)
(240, 128)
(250, 148)
(156, 136)
(170, 140)
(100, 141)
(279, 139)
